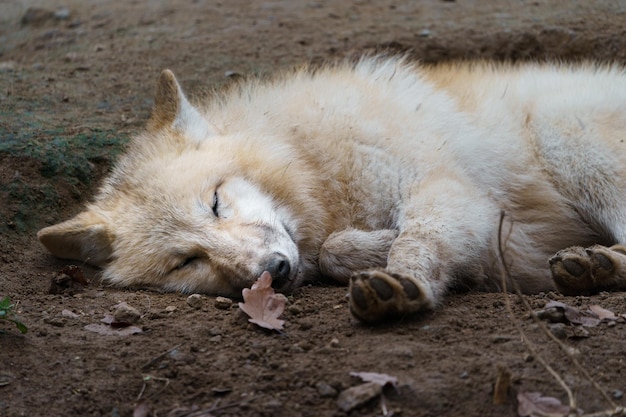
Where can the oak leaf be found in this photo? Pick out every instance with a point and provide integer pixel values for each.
(534, 404)
(262, 305)
(380, 379)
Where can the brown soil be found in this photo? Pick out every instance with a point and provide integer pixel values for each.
(84, 78)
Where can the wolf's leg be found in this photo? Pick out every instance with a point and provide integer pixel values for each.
(352, 250)
(580, 271)
(443, 234)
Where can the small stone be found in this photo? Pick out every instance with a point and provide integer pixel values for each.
(36, 16)
(62, 14)
(618, 394)
(98, 48)
(70, 57)
(354, 397)
(223, 303)
(334, 342)
(325, 390)
(306, 325)
(170, 309)
(424, 33)
(126, 314)
(7, 66)
(69, 313)
(559, 330)
(500, 338)
(552, 314)
(273, 405)
(54, 321)
(195, 301)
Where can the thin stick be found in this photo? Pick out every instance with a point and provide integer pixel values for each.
(507, 276)
(542, 325)
(156, 358)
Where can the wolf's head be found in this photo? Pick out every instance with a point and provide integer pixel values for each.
(192, 208)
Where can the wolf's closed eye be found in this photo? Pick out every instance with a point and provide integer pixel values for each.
(215, 205)
(187, 262)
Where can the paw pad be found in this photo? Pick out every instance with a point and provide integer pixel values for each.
(573, 267)
(358, 297)
(382, 288)
(603, 261)
(410, 289)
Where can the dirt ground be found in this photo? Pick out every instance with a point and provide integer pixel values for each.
(76, 80)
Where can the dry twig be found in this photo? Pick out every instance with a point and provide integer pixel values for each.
(616, 410)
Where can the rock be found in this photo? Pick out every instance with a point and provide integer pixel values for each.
(62, 14)
(36, 16)
(551, 314)
(618, 394)
(559, 330)
(195, 300)
(7, 66)
(354, 397)
(223, 303)
(325, 390)
(424, 33)
(126, 314)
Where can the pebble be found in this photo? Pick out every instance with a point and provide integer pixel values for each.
(126, 314)
(424, 33)
(170, 309)
(273, 405)
(215, 331)
(69, 313)
(36, 16)
(194, 300)
(354, 397)
(7, 66)
(62, 14)
(559, 330)
(223, 303)
(325, 390)
(618, 394)
(553, 315)
(54, 321)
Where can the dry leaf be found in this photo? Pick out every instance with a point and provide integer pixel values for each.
(111, 327)
(603, 313)
(262, 304)
(533, 404)
(354, 397)
(142, 409)
(76, 273)
(574, 315)
(107, 330)
(380, 379)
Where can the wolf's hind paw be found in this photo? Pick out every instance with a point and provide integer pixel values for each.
(580, 271)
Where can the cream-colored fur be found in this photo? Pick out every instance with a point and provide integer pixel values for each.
(386, 170)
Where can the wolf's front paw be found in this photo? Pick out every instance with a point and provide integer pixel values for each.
(375, 295)
(579, 271)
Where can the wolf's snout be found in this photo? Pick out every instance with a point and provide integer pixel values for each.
(279, 267)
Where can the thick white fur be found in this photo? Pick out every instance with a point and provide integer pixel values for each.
(432, 155)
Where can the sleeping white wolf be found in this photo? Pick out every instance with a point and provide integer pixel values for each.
(382, 173)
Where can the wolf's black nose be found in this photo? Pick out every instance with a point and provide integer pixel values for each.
(278, 266)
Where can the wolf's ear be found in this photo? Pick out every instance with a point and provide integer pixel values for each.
(173, 110)
(86, 238)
